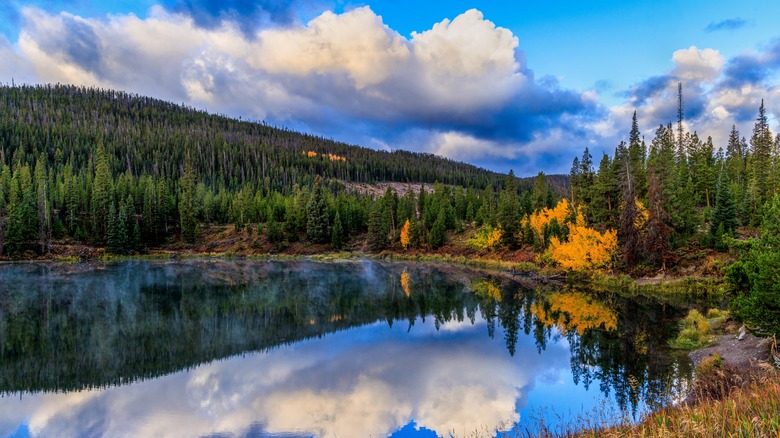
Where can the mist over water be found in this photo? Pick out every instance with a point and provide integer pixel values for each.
(302, 348)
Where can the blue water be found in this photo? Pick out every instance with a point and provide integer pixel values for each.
(298, 350)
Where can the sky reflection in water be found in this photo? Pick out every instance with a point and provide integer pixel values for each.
(365, 380)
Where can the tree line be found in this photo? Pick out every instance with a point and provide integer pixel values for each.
(126, 172)
(681, 192)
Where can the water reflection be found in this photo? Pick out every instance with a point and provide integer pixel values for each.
(345, 349)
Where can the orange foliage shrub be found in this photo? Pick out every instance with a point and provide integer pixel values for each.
(575, 311)
(586, 248)
(543, 217)
(331, 157)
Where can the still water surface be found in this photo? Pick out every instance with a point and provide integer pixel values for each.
(301, 348)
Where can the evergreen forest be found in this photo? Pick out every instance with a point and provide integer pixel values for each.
(128, 173)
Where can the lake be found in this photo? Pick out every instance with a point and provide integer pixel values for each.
(303, 348)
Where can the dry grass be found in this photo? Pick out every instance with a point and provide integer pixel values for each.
(750, 411)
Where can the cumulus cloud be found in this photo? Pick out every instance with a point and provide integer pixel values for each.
(693, 64)
(717, 93)
(345, 75)
(343, 385)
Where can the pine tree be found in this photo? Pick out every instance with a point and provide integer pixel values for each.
(273, 230)
(44, 209)
(113, 238)
(724, 218)
(318, 222)
(627, 232)
(726, 206)
(770, 225)
(636, 155)
(657, 245)
(540, 192)
(509, 212)
(414, 233)
(101, 195)
(436, 239)
(122, 230)
(735, 157)
(587, 179)
(683, 208)
(759, 163)
(189, 224)
(604, 206)
(5, 188)
(574, 180)
(22, 213)
(377, 233)
(337, 235)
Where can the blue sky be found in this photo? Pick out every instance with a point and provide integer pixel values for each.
(522, 85)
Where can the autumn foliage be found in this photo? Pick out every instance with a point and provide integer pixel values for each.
(405, 281)
(486, 289)
(405, 238)
(542, 219)
(575, 311)
(585, 249)
(329, 156)
(486, 238)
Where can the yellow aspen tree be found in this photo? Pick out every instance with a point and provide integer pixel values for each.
(405, 238)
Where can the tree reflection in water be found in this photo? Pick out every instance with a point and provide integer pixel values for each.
(70, 327)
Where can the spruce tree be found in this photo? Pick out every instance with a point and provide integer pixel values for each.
(113, 238)
(636, 155)
(509, 212)
(627, 231)
(436, 239)
(101, 195)
(22, 213)
(318, 222)
(724, 217)
(587, 179)
(377, 233)
(604, 206)
(43, 206)
(759, 165)
(273, 229)
(337, 235)
(188, 222)
(123, 230)
(657, 245)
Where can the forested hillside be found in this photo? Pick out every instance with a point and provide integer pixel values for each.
(683, 192)
(129, 172)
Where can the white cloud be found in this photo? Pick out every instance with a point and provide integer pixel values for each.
(339, 386)
(465, 77)
(464, 147)
(355, 43)
(693, 64)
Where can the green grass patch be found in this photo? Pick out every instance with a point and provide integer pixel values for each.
(696, 332)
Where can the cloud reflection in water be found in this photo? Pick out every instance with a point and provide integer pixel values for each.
(370, 380)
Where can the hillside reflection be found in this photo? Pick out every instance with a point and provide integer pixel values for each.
(412, 336)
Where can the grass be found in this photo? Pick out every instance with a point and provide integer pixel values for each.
(724, 402)
(696, 332)
(729, 403)
(461, 260)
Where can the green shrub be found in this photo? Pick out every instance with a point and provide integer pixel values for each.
(695, 333)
